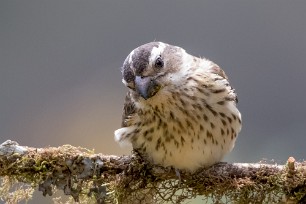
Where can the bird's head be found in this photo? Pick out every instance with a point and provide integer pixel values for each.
(150, 67)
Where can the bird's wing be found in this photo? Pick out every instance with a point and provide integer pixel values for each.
(232, 96)
(217, 70)
(129, 109)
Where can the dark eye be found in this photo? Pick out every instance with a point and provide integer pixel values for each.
(159, 63)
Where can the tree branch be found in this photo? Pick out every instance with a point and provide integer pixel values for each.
(98, 178)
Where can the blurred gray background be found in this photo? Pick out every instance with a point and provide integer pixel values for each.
(60, 80)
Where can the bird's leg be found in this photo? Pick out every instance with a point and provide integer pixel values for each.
(178, 174)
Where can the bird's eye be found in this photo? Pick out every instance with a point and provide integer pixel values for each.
(159, 63)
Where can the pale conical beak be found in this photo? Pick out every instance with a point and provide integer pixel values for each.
(146, 86)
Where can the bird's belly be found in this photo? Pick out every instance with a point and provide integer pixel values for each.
(199, 145)
(186, 135)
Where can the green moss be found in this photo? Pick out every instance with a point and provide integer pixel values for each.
(60, 167)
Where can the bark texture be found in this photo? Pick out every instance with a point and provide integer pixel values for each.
(98, 178)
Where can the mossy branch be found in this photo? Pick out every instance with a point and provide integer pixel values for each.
(98, 178)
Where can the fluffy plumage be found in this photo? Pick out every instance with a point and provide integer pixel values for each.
(180, 110)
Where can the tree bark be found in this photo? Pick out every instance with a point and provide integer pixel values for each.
(98, 178)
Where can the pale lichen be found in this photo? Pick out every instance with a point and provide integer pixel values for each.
(95, 178)
(12, 191)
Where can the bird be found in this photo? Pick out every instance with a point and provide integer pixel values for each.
(180, 110)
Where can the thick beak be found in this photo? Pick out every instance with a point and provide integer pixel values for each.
(146, 86)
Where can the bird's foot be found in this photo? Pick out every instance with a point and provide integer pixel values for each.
(178, 174)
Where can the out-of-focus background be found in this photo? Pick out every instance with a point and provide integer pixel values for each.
(60, 80)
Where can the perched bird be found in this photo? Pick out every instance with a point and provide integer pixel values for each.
(180, 110)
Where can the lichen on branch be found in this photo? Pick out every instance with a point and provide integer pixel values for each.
(96, 178)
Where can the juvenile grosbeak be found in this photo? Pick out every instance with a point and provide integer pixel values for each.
(180, 110)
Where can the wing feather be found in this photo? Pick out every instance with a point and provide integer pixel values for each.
(217, 70)
(129, 109)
